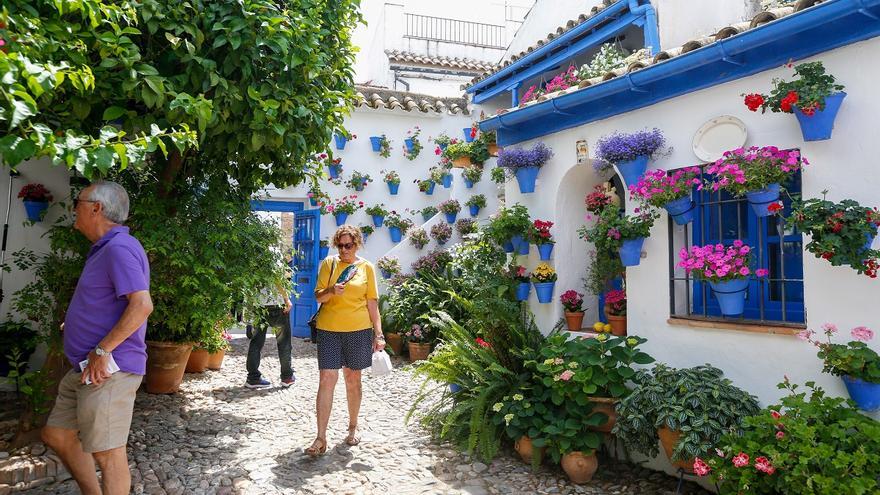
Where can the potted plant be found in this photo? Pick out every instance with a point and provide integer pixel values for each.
(412, 146)
(446, 177)
(509, 226)
(725, 268)
(378, 212)
(324, 248)
(427, 212)
(198, 359)
(459, 153)
(341, 137)
(573, 303)
(602, 196)
(756, 173)
(841, 233)
(334, 165)
(450, 208)
(630, 153)
(388, 266)
(470, 133)
(418, 238)
(17, 339)
(541, 237)
(855, 363)
(615, 311)
(392, 178)
(397, 226)
(437, 174)
(544, 279)
(36, 200)
(475, 203)
(366, 230)
(316, 196)
(471, 176)
(358, 181)
(629, 231)
(671, 191)
(381, 145)
(521, 278)
(442, 142)
(525, 164)
(425, 185)
(688, 409)
(441, 232)
(217, 344)
(497, 175)
(466, 226)
(489, 138)
(418, 341)
(814, 98)
(343, 207)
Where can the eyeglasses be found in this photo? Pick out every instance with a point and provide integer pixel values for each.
(77, 201)
(346, 246)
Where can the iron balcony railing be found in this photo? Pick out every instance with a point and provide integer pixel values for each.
(424, 27)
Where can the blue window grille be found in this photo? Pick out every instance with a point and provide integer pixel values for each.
(777, 299)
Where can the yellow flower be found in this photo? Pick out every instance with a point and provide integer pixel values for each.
(606, 328)
(548, 361)
(497, 407)
(517, 397)
(632, 342)
(601, 337)
(573, 365)
(598, 326)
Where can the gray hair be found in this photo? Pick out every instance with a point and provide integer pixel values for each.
(113, 199)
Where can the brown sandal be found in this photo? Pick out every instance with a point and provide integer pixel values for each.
(314, 450)
(353, 438)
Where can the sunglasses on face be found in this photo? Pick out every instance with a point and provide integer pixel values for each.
(346, 246)
(77, 201)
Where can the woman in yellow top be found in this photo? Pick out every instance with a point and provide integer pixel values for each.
(349, 330)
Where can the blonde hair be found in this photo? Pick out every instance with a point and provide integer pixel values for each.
(349, 230)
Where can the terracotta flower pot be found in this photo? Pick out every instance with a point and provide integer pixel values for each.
(580, 467)
(605, 405)
(618, 323)
(395, 342)
(524, 448)
(215, 359)
(462, 162)
(668, 439)
(198, 361)
(493, 149)
(166, 362)
(418, 352)
(574, 320)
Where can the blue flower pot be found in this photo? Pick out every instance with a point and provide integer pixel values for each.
(631, 171)
(378, 220)
(526, 178)
(468, 184)
(544, 251)
(392, 188)
(340, 141)
(313, 201)
(450, 217)
(866, 395)
(323, 251)
(365, 236)
(430, 190)
(869, 240)
(523, 248)
(544, 291)
(762, 199)
(359, 187)
(522, 291)
(467, 135)
(631, 251)
(385, 273)
(681, 210)
(340, 219)
(731, 295)
(454, 388)
(376, 143)
(447, 181)
(443, 146)
(441, 242)
(396, 234)
(516, 241)
(818, 127)
(408, 142)
(334, 171)
(475, 210)
(426, 217)
(508, 247)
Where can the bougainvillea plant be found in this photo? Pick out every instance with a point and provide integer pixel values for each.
(751, 169)
(658, 187)
(807, 93)
(718, 263)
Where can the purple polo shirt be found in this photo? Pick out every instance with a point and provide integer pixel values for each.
(115, 267)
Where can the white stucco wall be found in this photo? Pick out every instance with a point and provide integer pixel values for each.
(683, 20)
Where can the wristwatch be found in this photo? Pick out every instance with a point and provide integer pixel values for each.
(101, 352)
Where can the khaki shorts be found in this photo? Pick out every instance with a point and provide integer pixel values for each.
(101, 414)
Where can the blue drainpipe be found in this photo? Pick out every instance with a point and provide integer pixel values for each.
(652, 35)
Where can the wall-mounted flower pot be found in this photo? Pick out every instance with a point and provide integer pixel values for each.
(866, 395)
(516, 241)
(360, 187)
(522, 291)
(731, 295)
(526, 178)
(386, 274)
(544, 291)
(443, 146)
(313, 201)
(523, 248)
(408, 142)
(508, 247)
(475, 210)
(454, 388)
(392, 188)
(762, 199)
(365, 236)
(430, 190)
(818, 127)
(376, 143)
(869, 239)
(426, 216)
(35, 209)
(323, 251)
(450, 217)
(468, 184)
(340, 218)
(467, 135)
(447, 181)
(395, 233)
(443, 242)
(681, 210)
(334, 171)
(631, 251)
(631, 171)
(340, 141)
(544, 251)
(378, 220)
(462, 162)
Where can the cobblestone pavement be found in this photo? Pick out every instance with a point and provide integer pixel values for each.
(216, 436)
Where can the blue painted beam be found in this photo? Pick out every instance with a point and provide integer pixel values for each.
(829, 25)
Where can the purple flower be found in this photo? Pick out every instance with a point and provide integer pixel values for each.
(619, 147)
(514, 159)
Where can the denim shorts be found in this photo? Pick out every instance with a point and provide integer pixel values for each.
(352, 350)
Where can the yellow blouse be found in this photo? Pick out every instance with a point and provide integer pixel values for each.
(347, 312)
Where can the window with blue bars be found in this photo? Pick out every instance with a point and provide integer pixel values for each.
(722, 218)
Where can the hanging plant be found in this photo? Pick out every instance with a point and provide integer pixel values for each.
(418, 238)
(391, 177)
(497, 175)
(472, 175)
(412, 145)
(442, 141)
(841, 233)
(441, 232)
(382, 145)
(757, 173)
(671, 191)
(465, 226)
(358, 181)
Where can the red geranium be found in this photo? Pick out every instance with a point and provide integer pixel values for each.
(35, 192)
(773, 208)
(482, 343)
(754, 101)
(790, 99)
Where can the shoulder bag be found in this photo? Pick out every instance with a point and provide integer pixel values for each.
(313, 321)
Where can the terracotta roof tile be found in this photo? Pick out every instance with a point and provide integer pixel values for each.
(466, 64)
(389, 99)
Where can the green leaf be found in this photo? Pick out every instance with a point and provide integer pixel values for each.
(20, 112)
(103, 159)
(121, 153)
(113, 113)
(81, 107)
(15, 149)
(257, 140)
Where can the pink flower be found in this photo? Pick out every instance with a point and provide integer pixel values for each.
(761, 272)
(741, 459)
(763, 464)
(830, 328)
(780, 435)
(862, 333)
(566, 375)
(719, 453)
(700, 467)
(775, 414)
(805, 335)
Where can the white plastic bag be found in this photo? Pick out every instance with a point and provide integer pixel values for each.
(381, 363)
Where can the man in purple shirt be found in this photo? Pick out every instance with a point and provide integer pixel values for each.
(106, 323)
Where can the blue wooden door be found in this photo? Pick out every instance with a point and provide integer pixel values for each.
(306, 235)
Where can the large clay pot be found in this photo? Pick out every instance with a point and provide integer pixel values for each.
(166, 362)
(524, 448)
(198, 361)
(618, 323)
(580, 467)
(574, 320)
(215, 359)
(418, 352)
(605, 405)
(462, 162)
(668, 439)
(395, 342)
(493, 149)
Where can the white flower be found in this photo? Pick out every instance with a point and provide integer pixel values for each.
(517, 397)
(507, 419)
(497, 407)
